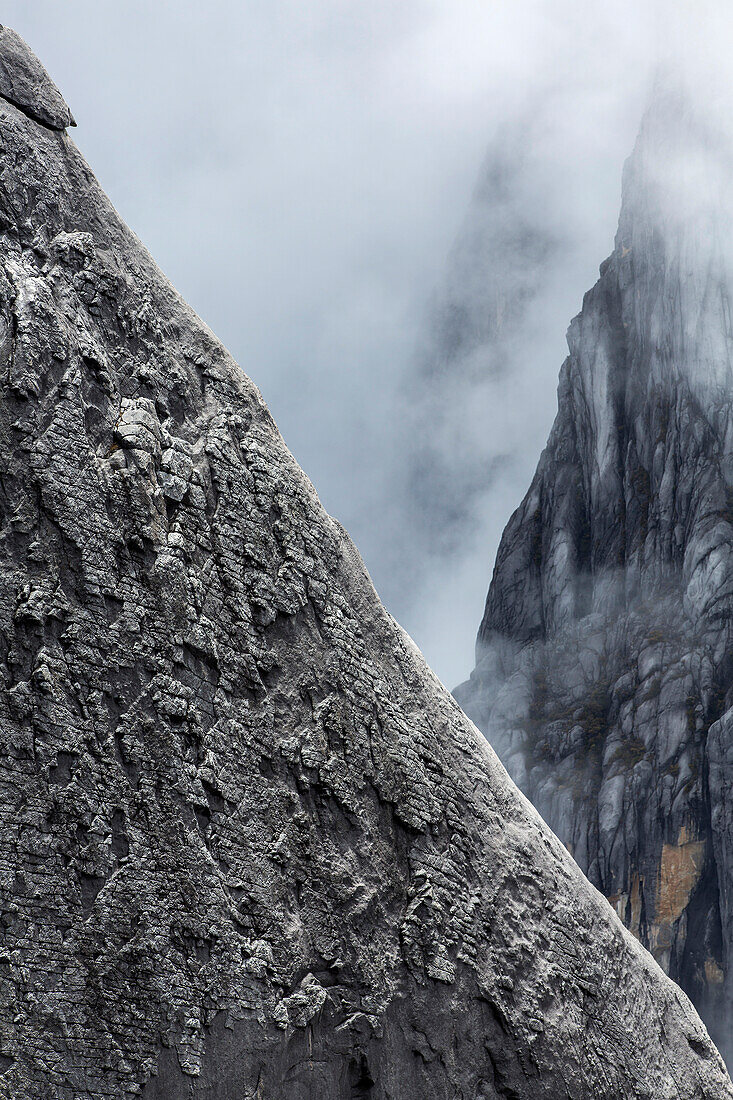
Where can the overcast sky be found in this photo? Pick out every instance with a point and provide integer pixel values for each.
(301, 171)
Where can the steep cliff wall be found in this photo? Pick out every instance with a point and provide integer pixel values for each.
(605, 672)
(248, 844)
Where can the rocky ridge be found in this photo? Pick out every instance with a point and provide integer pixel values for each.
(604, 673)
(250, 846)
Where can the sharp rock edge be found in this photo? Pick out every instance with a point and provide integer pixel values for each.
(25, 83)
(604, 675)
(250, 847)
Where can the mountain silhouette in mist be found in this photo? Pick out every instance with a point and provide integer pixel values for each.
(604, 675)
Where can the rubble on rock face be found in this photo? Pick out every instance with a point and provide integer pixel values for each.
(604, 670)
(250, 846)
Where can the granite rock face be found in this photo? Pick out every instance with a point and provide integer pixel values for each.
(604, 673)
(25, 83)
(249, 846)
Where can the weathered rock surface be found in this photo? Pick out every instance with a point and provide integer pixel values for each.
(249, 847)
(604, 676)
(25, 83)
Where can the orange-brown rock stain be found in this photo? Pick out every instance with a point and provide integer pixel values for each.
(679, 873)
(713, 974)
(680, 868)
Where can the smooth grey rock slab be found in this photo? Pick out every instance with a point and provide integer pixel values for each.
(25, 83)
(249, 845)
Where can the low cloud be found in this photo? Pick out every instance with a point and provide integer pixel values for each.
(303, 173)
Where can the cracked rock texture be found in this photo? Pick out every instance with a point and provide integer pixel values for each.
(604, 673)
(249, 846)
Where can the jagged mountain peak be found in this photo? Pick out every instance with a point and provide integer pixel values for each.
(677, 181)
(604, 666)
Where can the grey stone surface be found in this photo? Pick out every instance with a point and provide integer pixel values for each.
(249, 846)
(25, 83)
(604, 675)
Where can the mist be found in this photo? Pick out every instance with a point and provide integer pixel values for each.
(320, 182)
